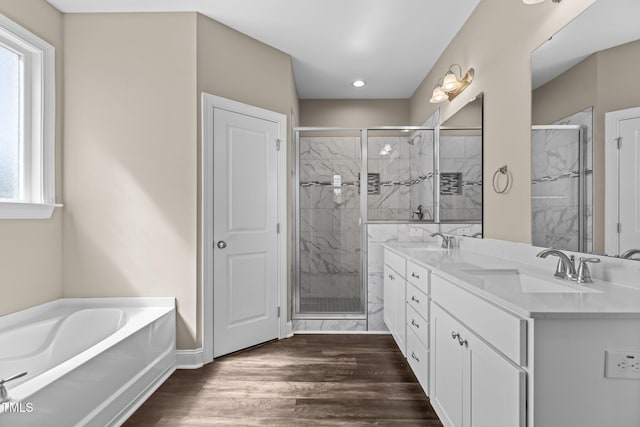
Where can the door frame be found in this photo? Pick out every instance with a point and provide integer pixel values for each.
(209, 103)
(611, 172)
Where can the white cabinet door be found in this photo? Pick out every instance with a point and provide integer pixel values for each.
(497, 388)
(472, 385)
(394, 306)
(446, 368)
(388, 294)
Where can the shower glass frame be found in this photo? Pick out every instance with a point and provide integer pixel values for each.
(582, 184)
(363, 199)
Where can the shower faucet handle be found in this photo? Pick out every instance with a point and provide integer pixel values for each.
(419, 212)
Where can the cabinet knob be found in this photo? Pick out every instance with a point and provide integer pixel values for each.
(413, 356)
(413, 274)
(461, 341)
(413, 322)
(455, 335)
(391, 277)
(415, 299)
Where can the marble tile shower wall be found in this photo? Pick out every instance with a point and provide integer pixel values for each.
(329, 218)
(400, 163)
(555, 201)
(462, 154)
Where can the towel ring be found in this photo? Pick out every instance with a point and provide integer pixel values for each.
(496, 177)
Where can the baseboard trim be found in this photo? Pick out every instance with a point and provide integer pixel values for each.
(190, 359)
(289, 332)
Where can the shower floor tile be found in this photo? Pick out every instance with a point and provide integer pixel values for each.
(330, 305)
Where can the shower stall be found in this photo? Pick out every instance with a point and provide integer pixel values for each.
(560, 187)
(398, 168)
(328, 280)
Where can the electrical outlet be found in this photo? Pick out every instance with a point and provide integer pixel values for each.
(416, 232)
(464, 231)
(622, 364)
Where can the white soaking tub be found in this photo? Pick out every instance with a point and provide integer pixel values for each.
(89, 361)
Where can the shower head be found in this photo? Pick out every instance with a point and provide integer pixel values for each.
(412, 140)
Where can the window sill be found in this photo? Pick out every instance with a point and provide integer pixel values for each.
(13, 210)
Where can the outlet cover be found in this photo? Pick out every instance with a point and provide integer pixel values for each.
(622, 364)
(415, 232)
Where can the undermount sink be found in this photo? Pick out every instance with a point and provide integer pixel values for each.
(527, 283)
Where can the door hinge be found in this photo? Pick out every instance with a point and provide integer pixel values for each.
(278, 228)
(619, 142)
(277, 144)
(278, 311)
(619, 228)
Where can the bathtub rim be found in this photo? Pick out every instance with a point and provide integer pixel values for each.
(19, 318)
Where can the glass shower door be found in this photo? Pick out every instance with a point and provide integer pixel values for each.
(329, 278)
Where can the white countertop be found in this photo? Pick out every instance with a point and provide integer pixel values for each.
(505, 289)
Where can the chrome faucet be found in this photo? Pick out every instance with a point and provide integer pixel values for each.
(419, 212)
(4, 395)
(447, 241)
(631, 252)
(566, 268)
(583, 275)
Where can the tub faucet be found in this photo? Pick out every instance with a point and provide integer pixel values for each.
(4, 395)
(566, 268)
(419, 212)
(447, 241)
(630, 253)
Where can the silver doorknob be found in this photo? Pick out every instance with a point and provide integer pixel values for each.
(221, 244)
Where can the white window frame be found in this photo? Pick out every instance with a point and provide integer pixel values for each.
(39, 123)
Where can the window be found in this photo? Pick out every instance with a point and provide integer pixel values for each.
(27, 123)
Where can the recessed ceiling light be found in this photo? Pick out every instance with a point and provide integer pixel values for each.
(358, 83)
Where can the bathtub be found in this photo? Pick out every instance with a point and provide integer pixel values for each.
(89, 361)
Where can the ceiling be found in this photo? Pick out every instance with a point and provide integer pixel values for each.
(605, 24)
(390, 44)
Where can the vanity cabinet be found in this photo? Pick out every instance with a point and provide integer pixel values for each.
(394, 288)
(492, 353)
(406, 311)
(472, 383)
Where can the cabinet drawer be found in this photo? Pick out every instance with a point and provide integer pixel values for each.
(503, 330)
(418, 357)
(396, 262)
(418, 325)
(418, 301)
(418, 275)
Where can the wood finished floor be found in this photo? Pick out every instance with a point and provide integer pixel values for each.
(307, 380)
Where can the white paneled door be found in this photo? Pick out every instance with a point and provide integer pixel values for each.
(245, 215)
(629, 179)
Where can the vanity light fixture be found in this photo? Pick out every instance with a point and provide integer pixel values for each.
(358, 83)
(452, 84)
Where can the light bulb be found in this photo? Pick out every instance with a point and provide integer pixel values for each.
(438, 95)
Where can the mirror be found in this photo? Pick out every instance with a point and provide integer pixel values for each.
(585, 192)
(460, 165)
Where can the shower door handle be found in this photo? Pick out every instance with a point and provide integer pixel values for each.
(221, 244)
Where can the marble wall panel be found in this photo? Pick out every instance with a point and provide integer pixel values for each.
(375, 303)
(328, 148)
(316, 325)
